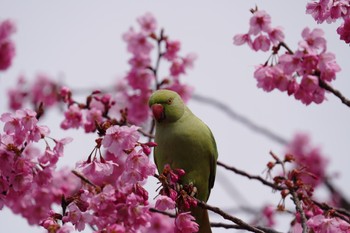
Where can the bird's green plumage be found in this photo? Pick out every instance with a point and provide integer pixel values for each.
(184, 141)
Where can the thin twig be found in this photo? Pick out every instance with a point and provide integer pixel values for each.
(159, 58)
(251, 177)
(284, 45)
(335, 92)
(162, 212)
(340, 213)
(299, 208)
(236, 220)
(234, 226)
(83, 178)
(240, 118)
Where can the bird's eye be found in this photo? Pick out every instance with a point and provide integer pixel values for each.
(170, 101)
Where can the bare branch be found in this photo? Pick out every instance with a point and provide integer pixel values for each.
(251, 177)
(233, 226)
(83, 178)
(236, 220)
(335, 92)
(337, 212)
(154, 210)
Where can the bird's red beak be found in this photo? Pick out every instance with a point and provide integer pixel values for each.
(158, 112)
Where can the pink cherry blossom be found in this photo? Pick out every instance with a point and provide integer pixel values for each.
(291, 63)
(260, 35)
(17, 98)
(276, 35)
(309, 83)
(318, 10)
(177, 67)
(95, 171)
(137, 168)
(120, 138)
(7, 53)
(93, 117)
(7, 28)
(185, 223)
(344, 30)
(50, 224)
(241, 39)
(339, 9)
(269, 214)
(44, 91)
(160, 224)
(261, 43)
(309, 157)
(265, 77)
(328, 66)
(73, 118)
(164, 203)
(140, 79)
(137, 42)
(313, 40)
(7, 47)
(138, 110)
(172, 48)
(141, 61)
(322, 224)
(148, 23)
(77, 217)
(259, 22)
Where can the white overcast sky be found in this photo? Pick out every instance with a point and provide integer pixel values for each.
(80, 43)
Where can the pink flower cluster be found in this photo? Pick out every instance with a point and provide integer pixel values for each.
(29, 181)
(143, 77)
(310, 63)
(309, 158)
(320, 223)
(330, 11)
(113, 200)
(260, 35)
(42, 91)
(7, 47)
(174, 196)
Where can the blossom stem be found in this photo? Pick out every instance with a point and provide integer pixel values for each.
(160, 55)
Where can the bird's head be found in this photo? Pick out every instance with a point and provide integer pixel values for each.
(167, 106)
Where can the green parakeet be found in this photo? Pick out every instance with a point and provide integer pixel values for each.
(184, 141)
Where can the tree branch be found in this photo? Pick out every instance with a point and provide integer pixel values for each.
(241, 223)
(251, 177)
(340, 213)
(154, 210)
(335, 92)
(233, 226)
